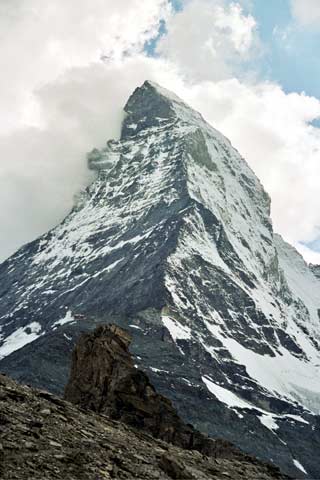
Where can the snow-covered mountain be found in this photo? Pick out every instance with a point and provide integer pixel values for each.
(173, 241)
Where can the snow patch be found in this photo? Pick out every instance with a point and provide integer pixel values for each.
(68, 318)
(297, 418)
(224, 395)
(269, 421)
(284, 374)
(177, 331)
(299, 466)
(21, 337)
(158, 370)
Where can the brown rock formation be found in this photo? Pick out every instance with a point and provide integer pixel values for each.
(105, 380)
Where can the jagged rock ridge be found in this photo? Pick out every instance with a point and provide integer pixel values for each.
(173, 240)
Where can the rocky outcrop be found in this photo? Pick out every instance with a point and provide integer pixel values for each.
(104, 379)
(43, 437)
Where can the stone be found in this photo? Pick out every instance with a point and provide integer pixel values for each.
(116, 451)
(45, 412)
(174, 469)
(30, 446)
(55, 444)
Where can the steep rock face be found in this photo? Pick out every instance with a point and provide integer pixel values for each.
(173, 240)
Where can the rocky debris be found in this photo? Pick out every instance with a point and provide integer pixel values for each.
(105, 380)
(43, 437)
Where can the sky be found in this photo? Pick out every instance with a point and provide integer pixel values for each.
(251, 67)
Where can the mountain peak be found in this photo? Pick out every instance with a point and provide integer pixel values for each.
(150, 90)
(164, 92)
(152, 105)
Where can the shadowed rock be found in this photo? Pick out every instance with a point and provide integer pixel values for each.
(105, 380)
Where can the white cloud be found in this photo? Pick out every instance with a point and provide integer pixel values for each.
(43, 168)
(307, 12)
(53, 113)
(309, 255)
(209, 39)
(40, 40)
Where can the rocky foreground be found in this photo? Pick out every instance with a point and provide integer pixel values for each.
(45, 437)
(105, 380)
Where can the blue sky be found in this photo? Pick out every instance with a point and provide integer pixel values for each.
(292, 53)
(290, 56)
(293, 61)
